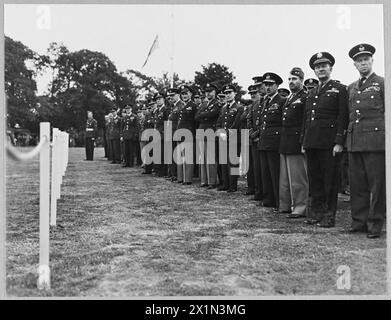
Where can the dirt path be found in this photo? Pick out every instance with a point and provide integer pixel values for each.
(128, 234)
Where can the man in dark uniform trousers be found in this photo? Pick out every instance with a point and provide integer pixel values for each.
(91, 134)
(253, 122)
(198, 101)
(110, 125)
(207, 116)
(115, 137)
(161, 115)
(186, 120)
(269, 140)
(149, 123)
(310, 83)
(221, 101)
(177, 104)
(243, 125)
(325, 124)
(293, 190)
(129, 135)
(366, 145)
(229, 119)
(122, 144)
(283, 92)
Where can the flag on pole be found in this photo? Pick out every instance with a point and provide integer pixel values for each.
(154, 46)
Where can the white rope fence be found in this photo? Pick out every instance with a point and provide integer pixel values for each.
(53, 161)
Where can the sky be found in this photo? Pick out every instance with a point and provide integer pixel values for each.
(249, 39)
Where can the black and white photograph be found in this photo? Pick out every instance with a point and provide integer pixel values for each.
(194, 150)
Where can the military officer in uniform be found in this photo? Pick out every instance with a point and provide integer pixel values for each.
(293, 167)
(115, 137)
(366, 145)
(129, 135)
(177, 104)
(105, 142)
(229, 121)
(149, 123)
(161, 115)
(186, 120)
(122, 145)
(91, 134)
(269, 140)
(207, 116)
(253, 123)
(325, 124)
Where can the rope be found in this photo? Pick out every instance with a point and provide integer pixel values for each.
(14, 154)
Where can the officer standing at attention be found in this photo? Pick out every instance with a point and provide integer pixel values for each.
(326, 120)
(269, 140)
(229, 119)
(366, 145)
(253, 122)
(161, 115)
(115, 137)
(148, 123)
(206, 116)
(177, 104)
(129, 135)
(293, 167)
(91, 134)
(122, 145)
(186, 120)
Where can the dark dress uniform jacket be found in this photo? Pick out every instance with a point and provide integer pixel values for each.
(114, 133)
(366, 131)
(186, 115)
(253, 121)
(130, 127)
(207, 114)
(161, 115)
(326, 116)
(243, 117)
(174, 114)
(91, 128)
(270, 125)
(230, 117)
(292, 123)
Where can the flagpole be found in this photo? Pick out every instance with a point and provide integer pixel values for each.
(172, 47)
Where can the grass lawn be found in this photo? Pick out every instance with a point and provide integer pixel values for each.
(128, 234)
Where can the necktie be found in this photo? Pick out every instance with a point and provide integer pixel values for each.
(361, 82)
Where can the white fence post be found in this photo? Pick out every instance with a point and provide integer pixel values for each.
(53, 198)
(44, 207)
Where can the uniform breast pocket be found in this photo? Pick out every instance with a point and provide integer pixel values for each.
(373, 135)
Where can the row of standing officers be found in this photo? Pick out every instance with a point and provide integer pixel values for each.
(295, 141)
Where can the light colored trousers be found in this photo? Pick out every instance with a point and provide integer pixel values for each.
(185, 170)
(293, 188)
(208, 170)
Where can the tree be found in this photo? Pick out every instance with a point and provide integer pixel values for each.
(217, 74)
(21, 66)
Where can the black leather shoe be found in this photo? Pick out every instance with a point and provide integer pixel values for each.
(295, 216)
(187, 183)
(212, 186)
(222, 189)
(358, 230)
(204, 185)
(284, 211)
(373, 235)
(179, 181)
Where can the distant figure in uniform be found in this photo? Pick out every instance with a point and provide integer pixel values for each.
(161, 115)
(140, 116)
(366, 145)
(186, 120)
(283, 92)
(207, 116)
(269, 140)
(122, 144)
(109, 129)
(177, 104)
(293, 166)
(229, 119)
(148, 123)
(105, 142)
(91, 134)
(115, 137)
(221, 101)
(129, 135)
(326, 120)
(198, 101)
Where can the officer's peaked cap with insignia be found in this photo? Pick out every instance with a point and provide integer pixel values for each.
(361, 49)
(186, 88)
(160, 95)
(311, 82)
(272, 78)
(321, 57)
(172, 91)
(229, 88)
(210, 87)
(296, 71)
(257, 79)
